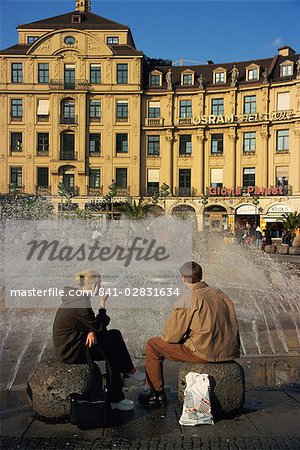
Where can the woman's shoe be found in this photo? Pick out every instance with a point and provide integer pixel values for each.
(134, 379)
(152, 398)
(123, 405)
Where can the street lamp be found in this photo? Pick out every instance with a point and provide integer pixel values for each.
(112, 193)
(164, 192)
(256, 202)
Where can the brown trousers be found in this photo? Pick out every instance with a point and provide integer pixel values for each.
(157, 350)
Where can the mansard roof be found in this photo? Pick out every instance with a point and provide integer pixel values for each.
(271, 64)
(89, 21)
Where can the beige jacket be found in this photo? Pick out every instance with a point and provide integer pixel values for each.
(204, 320)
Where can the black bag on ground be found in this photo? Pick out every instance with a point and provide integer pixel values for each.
(91, 409)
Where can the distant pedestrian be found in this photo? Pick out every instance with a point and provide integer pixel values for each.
(267, 237)
(258, 238)
(287, 238)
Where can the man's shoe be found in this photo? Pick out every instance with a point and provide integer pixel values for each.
(152, 398)
(123, 405)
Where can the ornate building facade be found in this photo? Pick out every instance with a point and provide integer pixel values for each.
(80, 105)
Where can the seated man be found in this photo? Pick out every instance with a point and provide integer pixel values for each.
(202, 327)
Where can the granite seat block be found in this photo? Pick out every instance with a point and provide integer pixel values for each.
(227, 382)
(51, 382)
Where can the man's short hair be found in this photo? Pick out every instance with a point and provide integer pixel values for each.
(192, 271)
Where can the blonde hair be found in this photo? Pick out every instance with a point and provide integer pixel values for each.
(86, 277)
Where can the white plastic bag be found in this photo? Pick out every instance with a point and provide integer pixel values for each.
(196, 407)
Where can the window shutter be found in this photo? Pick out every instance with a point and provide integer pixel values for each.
(43, 107)
(153, 175)
(216, 175)
(283, 101)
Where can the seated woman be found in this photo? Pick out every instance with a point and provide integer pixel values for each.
(76, 326)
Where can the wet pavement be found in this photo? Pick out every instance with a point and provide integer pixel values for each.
(270, 420)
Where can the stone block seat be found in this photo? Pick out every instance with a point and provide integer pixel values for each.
(294, 250)
(51, 382)
(270, 248)
(227, 383)
(282, 249)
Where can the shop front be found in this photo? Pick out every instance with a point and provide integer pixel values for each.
(246, 215)
(215, 218)
(274, 217)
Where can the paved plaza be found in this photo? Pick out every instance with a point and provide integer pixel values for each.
(270, 420)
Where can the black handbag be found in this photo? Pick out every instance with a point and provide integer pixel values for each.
(91, 409)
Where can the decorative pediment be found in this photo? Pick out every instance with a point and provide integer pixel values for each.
(219, 75)
(252, 72)
(58, 41)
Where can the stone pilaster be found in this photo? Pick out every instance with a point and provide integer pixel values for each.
(265, 135)
(296, 168)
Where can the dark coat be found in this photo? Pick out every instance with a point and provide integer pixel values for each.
(73, 321)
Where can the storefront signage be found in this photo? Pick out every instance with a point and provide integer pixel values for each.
(246, 209)
(250, 190)
(241, 118)
(279, 209)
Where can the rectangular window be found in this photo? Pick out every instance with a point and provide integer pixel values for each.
(32, 39)
(69, 180)
(185, 145)
(252, 74)
(122, 73)
(220, 77)
(153, 182)
(43, 176)
(249, 142)
(43, 73)
(42, 144)
(112, 40)
(216, 178)
(187, 79)
(282, 140)
(94, 143)
(16, 109)
(250, 104)
(185, 108)
(95, 109)
(153, 110)
(122, 143)
(153, 148)
(94, 178)
(248, 176)
(287, 71)
(217, 106)
(67, 146)
(216, 143)
(184, 182)
(95, 73)
(282, 178)
(16, 144)
(17, 73)
(122, 110)
(121, 178)
(69, 76)
(283, 101)
(154, 80)
(16, 176)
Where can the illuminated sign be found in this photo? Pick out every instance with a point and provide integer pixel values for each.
(233, 118)
(250, 190)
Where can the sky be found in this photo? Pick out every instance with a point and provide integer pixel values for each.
(192, 30)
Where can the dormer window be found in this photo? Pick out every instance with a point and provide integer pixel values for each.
(112, 40)
(32, 39)
(76, 18)
(155, 78)
(219, 75)
(187, 78)
(286, 69)
(252, 72)
(69, 40)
